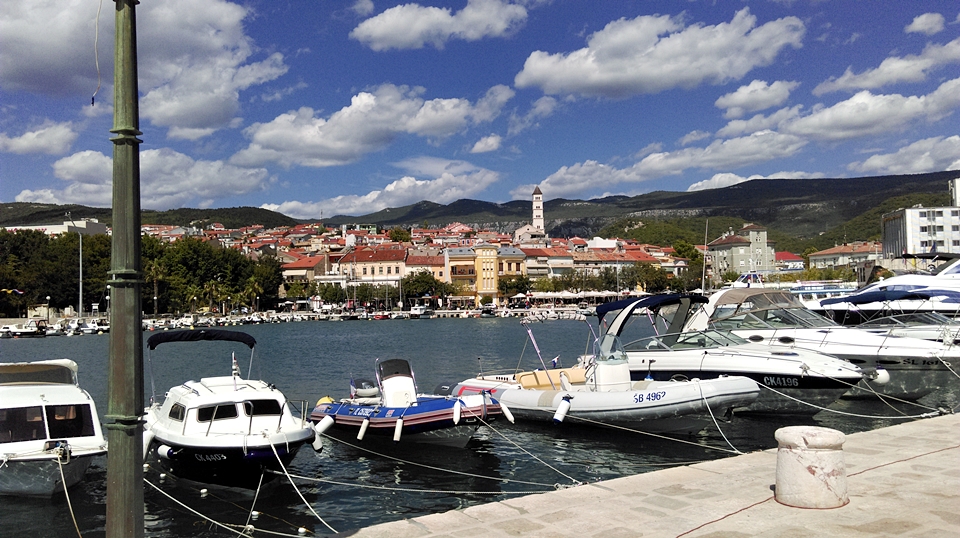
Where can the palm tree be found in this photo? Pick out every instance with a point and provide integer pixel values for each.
(211, 290)
(155, 272)
(252, 290)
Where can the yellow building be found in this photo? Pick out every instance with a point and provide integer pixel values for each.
(477, 270)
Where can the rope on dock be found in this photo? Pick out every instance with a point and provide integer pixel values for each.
(314, 512)
(60, 452)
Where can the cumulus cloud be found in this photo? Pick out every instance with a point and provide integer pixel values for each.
(726, 179)
(371, 122)
(866, 114)
(760, 122)
(487, 144)
(168, 179)
(928, 155)
(928, 23)
(542, 108)
(910, 68)
(194, 58)
(362, 7)
(50, 138)
(574, 180)
(758, 95)
(412, 26)
(693, 136)
(650, 54)
(451, 181)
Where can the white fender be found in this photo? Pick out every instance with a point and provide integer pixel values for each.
(562, 409)
(883, 377)
(164, 452)
(456, 412)
(363, 429)
(506, 412)
(147, 439)
(396, 431)
(324, 424)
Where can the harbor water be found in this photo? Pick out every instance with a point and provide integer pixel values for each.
(351, 487)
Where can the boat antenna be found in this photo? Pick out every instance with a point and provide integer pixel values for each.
(533, 340)
(703, 262)
(480, 363)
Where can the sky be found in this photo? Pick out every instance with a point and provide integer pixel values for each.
(316, 108)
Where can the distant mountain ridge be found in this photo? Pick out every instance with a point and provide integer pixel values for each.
(802, 207)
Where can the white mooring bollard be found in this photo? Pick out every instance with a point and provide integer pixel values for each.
(810, 468)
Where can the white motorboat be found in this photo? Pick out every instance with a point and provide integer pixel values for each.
(915, 367)
(222, 430)
(33, 328)
(796, 380)
(924, 325)
(599, 391)
(49, 428)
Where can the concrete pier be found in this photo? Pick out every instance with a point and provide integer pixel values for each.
(902, 481)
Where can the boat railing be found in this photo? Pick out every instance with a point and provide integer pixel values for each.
(303, 412)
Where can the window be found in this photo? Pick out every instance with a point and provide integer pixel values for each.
(441, 273)
(381, 269)
(956, 242)
(257, 408)
(396, 269)
(939, 228)
(938, 213)
(923, 229)
(22, 424)
(923, 214)
(955, 228)
(955, 213)
(69, 421)
(177, 412)
(217, 412)
(388, 270)
(364, 271)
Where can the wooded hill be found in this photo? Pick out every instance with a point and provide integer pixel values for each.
(797, 212)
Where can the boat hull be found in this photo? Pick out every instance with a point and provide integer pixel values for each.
(41, 477)
(654, 406)
(226, 465)
(430, 421)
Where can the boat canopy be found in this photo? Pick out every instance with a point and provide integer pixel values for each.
(881, 296)
(650, 301)
(198, 335)
(49, 371)
(394, 367)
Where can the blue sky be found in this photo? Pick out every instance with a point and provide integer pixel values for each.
(317, 108)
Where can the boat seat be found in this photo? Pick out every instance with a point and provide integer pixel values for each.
(540, 379)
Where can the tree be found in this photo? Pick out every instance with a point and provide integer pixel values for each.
(154, 271)
(399, 235)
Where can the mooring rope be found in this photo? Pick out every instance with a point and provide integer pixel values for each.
(314, 512)
(411, 490)
(63, 480)
(432, 467)
(934, 413)
(707, 404)
(527, 452)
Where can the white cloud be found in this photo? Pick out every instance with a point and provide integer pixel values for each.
(362, 7)
(573, 181)
(542, 108)
(412, 26)
(453, 180)
(866, 114)
(910, 68)
(726, 179)
(168, 179)
(759, 122)
(757, 95)
(194, 58)
(487, 144)
(50, 138)
(928, 155)
(650, 54)
(928, 23)
(371, 122)
(693, 136)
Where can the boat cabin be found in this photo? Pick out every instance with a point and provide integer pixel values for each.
(223, 405)
(398, 386)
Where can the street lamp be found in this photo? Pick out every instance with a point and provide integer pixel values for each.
(193, 307)
(154, 306)
(48, 308)
(109, 317)
(80, 234)
(258, 303)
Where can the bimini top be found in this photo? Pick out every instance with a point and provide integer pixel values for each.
(650, 301)
(882, 296)
(198, 335)
(39, 372)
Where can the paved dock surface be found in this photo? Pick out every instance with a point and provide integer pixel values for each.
(902, 481)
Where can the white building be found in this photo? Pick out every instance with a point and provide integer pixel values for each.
(923, 230)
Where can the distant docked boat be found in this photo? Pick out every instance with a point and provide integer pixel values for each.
(392, 410)
(49, 428)
(222, 430)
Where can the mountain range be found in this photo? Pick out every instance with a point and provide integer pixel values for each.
(802, 208)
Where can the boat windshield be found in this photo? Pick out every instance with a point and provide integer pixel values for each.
(686, 340)
(33, 423)
(609, 348)
(912, 319)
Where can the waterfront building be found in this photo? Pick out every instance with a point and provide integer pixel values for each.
(847, 255)
(744, 250)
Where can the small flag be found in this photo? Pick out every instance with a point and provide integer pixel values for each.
(353, 388)
(9, 291)
(555, 361)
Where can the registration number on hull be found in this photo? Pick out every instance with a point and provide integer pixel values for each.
(641, 397)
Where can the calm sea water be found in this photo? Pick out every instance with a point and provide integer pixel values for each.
(350, 487)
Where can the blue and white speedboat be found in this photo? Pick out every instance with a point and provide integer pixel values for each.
(391, 409)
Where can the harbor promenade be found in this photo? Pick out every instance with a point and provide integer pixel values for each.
(902, 481)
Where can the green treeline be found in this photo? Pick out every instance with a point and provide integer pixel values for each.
(185, 275)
